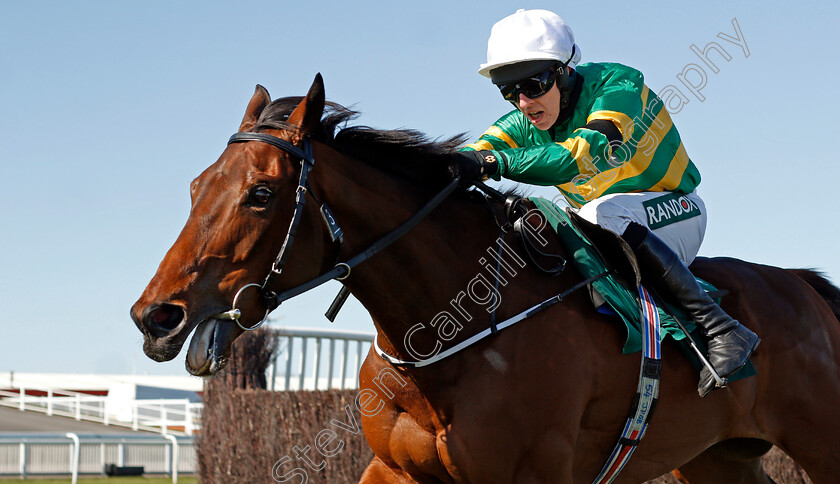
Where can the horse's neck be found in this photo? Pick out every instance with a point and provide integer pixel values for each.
(423, 278)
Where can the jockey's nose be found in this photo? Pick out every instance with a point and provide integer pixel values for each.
(159, 319)
(524, 100)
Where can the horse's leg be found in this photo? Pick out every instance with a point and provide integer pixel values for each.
(734, 461)
(809, 423)
(378, 472)
(815, 449)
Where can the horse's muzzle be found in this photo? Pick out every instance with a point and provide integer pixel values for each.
(161, 325)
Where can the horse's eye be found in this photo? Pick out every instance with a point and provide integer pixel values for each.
(260, 196)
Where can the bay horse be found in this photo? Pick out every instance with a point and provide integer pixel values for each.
(542, 401)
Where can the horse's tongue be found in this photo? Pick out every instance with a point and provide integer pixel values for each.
(223, 337)
(209, 343)
(200, 351)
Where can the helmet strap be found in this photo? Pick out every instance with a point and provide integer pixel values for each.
(570, 86)
(567, 82)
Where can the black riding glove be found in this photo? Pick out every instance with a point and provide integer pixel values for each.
(476, 166)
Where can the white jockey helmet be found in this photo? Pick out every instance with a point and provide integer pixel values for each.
(528, 40)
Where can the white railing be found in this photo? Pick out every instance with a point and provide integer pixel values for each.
(307, 359)
(175, 416)
(323, 365)
(31, 454)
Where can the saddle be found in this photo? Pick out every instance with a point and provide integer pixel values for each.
(595, 250)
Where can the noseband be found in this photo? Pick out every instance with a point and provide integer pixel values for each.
(340, 270)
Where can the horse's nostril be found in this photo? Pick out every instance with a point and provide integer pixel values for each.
(164, 318)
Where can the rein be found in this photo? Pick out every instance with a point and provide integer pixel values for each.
(340, 270)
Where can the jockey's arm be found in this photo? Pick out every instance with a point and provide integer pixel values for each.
(550, 163)
(613, 103)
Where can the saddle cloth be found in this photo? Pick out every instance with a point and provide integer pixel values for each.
(620, 299)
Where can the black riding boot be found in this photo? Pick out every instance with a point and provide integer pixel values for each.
(730, 343)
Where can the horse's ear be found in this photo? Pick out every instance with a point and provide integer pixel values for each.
(258, 102)
(307, 115)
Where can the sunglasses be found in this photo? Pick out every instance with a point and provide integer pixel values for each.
(532, 87)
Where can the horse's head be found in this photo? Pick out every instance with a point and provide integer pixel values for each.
(241, 207)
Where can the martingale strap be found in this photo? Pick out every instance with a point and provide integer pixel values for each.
(495, 328)
(646, 396)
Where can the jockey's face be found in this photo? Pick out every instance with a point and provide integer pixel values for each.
(542, 111)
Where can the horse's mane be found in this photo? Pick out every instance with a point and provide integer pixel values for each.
(406, 152)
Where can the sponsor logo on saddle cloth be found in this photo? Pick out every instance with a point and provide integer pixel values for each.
(668, 209)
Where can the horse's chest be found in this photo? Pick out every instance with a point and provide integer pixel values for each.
(447, 440)
(406, 435)
(487, 424)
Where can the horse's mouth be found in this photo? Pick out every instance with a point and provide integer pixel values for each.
(210, 347)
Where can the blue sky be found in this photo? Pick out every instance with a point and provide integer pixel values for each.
(109, 109)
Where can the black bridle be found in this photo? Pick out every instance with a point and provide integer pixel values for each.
(340, 270)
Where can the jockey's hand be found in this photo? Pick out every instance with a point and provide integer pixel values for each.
(476, 166)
